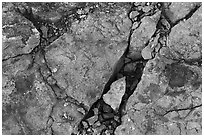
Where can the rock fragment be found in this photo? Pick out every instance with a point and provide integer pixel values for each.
(143, 33)
(147, 53)
(115, 94)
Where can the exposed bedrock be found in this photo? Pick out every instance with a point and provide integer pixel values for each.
(101, 68)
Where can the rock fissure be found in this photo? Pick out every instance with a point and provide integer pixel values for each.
(102, 68)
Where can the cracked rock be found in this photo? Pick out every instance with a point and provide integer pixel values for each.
(154, 100)
(18, 31)
(86, 58)
(176, 11)
(185, 38)
(143, 33)
(102, 68)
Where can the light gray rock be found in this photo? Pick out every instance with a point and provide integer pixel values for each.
(115, 94)
(147, 52)
(143, 33)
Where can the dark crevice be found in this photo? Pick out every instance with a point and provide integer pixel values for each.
(131, 81)
(107, 116)
(197, 62)
(188, 15)
(120, 63)
(13, 57)
(165, 6)
(103, 112)
(183, 109)
(28, 14)
(117, 68)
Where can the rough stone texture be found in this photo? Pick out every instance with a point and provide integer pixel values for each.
(115, 94)
(176, 11)
(143, 33)
(66, 117)
(85, 59)
(80, 62)
(62, 61)
(185, 39)
(165, 100)
(17, 31)
(28, 104)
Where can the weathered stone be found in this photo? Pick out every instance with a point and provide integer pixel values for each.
(147, 52)
(17, 31)
(11, 127)
(86, 58)
(133, 14)
(178, 10)
(114, 95)
(57, 58)
(144, 32)
(154, 99)
(185, 38)
(92, 120)
(32, 104)
(66, 115)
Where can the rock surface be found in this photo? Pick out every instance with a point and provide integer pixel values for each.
(101, 68)
(185, 39)
(143, 33)
(164, 101)
(176, 11)
(115, 94)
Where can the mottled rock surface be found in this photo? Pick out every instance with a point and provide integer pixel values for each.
(185, 39)
(165, 100)
(101, 68)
